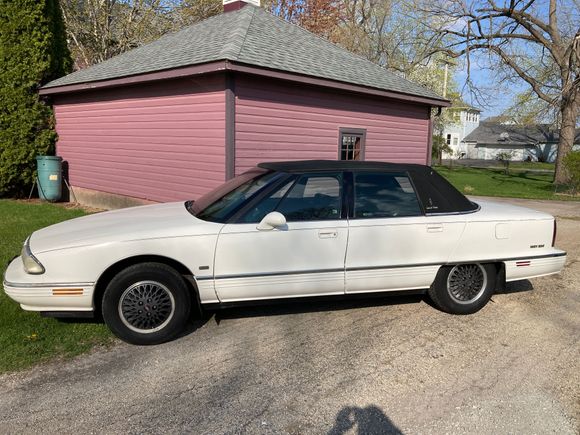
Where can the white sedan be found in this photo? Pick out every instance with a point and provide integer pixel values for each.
(283, 230)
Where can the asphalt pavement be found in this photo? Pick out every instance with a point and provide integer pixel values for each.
(387, 365)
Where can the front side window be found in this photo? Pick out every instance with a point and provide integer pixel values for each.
(220, 204)
(305, 198)
(381, 195)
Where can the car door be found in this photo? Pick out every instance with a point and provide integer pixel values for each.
(305, 257)
(392, 244)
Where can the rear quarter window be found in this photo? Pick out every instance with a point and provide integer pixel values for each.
(438, 195)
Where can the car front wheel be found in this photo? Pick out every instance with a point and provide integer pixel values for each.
(147, 303)
(463, 288)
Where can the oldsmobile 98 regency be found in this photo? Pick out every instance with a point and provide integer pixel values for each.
(283, 230)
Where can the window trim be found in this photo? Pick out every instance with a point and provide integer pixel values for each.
(352, 197)
(362, 132)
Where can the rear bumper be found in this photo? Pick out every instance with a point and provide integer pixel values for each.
(524, 268)
(45, 296)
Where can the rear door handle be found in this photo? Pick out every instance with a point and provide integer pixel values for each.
(435, 228)
(327, 234)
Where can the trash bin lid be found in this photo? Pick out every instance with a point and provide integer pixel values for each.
(48, 158)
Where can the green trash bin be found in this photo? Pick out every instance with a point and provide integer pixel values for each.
(49, 177)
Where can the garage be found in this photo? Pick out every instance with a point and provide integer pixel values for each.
(175, 118)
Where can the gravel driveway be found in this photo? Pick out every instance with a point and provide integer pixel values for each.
(389, 365)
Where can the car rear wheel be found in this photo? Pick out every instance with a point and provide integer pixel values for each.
(463, 288)
(147, 303)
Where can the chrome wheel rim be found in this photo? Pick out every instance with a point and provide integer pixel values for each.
(466, 283)
(146, 307)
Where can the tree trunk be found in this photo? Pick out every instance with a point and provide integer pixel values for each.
(569, 112)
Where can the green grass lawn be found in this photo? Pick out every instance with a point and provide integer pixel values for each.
(25, 337)
(527, 165)
(494, 182)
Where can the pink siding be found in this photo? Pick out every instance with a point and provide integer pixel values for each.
(162, 142)
(281, 121)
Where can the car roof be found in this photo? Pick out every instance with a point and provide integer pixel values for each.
(338, 165)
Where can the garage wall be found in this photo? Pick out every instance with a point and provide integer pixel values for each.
(278, 120)
(161, 142)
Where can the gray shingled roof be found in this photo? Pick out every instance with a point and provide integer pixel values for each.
(496, 133)
(250, 36)
(463, 105)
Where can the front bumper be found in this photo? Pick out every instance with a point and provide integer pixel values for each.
(34, 294)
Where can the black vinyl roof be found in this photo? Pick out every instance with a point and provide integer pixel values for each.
(436, 194)
(339, 165)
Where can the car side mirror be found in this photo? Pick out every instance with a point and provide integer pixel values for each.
(273, 220)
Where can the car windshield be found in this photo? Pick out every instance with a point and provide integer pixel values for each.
(221, 203)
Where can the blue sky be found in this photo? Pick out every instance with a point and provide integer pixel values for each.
(496, 97)
(499, 96)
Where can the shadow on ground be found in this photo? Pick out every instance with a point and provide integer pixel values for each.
(306, 305)
(523, 285)
(368, 421)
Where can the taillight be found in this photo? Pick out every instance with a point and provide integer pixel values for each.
(554, 234)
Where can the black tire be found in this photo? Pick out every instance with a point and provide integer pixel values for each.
(449, 295)
(147, 303)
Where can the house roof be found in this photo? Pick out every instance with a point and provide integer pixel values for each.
(463, 105)
(249, 36)
(497, 133)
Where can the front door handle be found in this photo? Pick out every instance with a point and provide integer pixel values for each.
(435, 228)
(328, 234)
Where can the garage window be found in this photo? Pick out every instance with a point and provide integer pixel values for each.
(351, 143)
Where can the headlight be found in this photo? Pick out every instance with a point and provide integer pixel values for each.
(31, 264)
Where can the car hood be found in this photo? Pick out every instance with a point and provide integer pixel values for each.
(135, 223)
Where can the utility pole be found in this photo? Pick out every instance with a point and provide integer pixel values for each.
(445, 80)
(445, 76)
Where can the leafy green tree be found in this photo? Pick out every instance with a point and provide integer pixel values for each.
(572, 165)
(33, 51)
(192, 11)
(100, 29)
(537, 43)
(439, 147)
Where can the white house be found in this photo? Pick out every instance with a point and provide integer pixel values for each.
(531, 142)
(465, 120)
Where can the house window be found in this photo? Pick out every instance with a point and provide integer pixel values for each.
(351, 143)
(452, 139)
